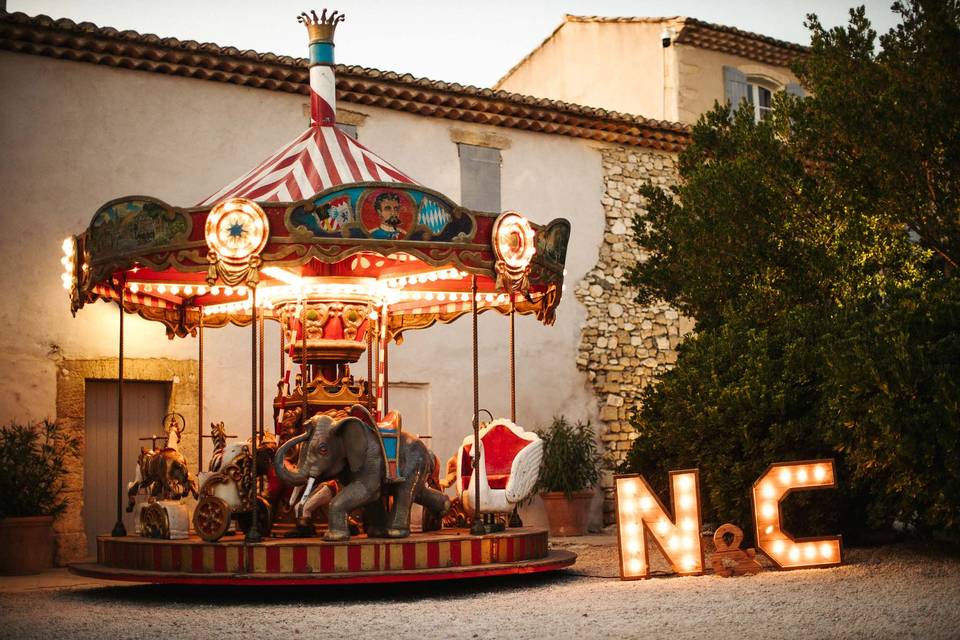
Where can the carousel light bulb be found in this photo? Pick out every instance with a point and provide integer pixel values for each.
(161, 288)
(66, 284)
(241, 291)
(215, 291)
(66, 262)
(174, 289)
(202, 290)
(422, 278)
(465, 297)
(441, 296)
(188, 290)
(373, 314)
(432, 276)
(228, 291)
(489, 297)
(416, 295)
(67, 246)
(428, 295)
(134, 287)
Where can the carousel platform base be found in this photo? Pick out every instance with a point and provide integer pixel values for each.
(450, 554)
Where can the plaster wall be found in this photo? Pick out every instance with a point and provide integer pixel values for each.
(617, 66)
(78, 135)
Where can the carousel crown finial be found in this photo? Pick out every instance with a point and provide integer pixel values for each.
(321, 28)
(323, 92)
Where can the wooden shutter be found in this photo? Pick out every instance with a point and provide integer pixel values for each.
(795, 89)
(479, 177)
(736, 87)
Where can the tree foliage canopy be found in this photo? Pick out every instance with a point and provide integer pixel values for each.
(818, 252)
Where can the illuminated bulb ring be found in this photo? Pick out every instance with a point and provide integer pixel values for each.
(237, 229)
(513, 243)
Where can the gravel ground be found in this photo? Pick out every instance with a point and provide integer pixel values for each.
(889, 592)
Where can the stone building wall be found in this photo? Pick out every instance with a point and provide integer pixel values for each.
(624, 346)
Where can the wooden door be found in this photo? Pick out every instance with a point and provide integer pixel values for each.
(144, 405)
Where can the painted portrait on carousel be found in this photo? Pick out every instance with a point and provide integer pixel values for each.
(387, 214)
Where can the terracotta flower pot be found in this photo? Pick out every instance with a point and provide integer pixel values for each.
(567, 516)
(26, 545)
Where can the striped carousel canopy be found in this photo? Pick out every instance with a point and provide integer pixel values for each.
(319, 158)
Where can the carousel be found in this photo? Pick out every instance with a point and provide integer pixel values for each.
(345, 253)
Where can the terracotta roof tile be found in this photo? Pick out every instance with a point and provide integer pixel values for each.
(85, 42)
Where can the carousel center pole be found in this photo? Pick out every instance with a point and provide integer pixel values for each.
(477, 527)
(118, 529)
(253, 534)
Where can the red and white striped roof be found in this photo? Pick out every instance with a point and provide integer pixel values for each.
(319, 158)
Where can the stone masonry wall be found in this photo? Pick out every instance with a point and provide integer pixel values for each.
(624, 346)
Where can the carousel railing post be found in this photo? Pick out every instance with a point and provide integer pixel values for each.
(477, 528)
(253, 534)
(118, 529)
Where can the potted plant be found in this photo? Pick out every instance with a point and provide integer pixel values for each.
(569, 472)
(33, 458)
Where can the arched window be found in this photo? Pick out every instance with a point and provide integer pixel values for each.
(757, 91)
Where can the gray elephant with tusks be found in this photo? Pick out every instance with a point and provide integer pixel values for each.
(349, 450)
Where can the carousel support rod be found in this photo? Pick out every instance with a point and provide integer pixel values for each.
(253, 534)
(118, 529)
(513, 361)
(260, 394)
(477, 527)
(515, 520)
(200, 394)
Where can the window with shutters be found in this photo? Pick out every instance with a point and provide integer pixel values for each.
(479, 177)
(756, 91)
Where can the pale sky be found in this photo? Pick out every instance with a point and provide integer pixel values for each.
(471, 43)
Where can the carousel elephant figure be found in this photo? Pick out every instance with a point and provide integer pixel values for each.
(348, 448)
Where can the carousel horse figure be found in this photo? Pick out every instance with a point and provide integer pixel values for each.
(162, 471)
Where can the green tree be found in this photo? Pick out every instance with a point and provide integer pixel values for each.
(817, 250)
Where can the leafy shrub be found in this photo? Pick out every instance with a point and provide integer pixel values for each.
(570, 458)
(33, 458)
